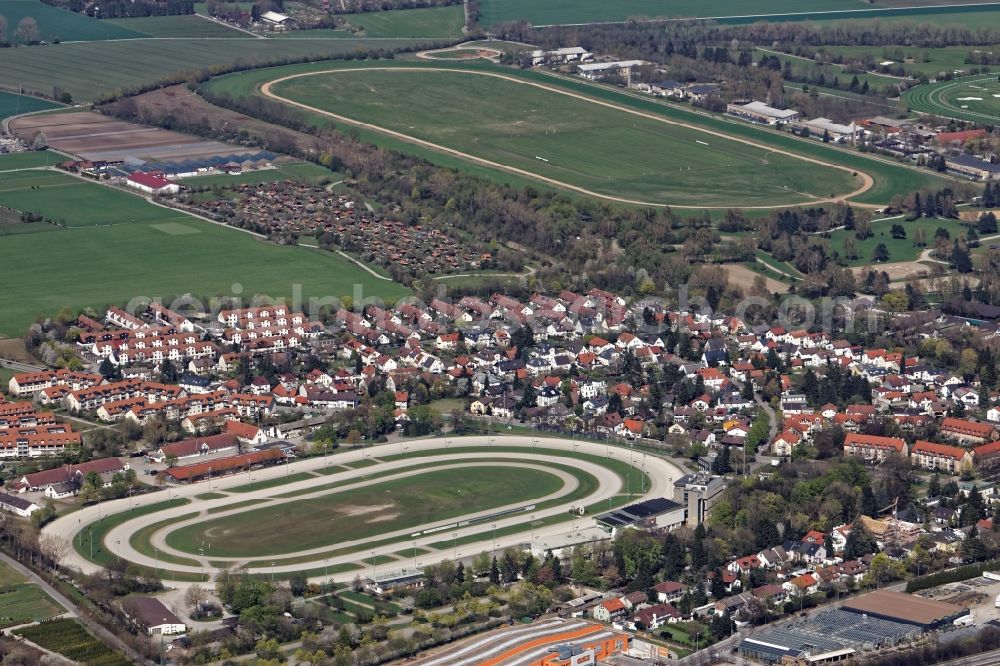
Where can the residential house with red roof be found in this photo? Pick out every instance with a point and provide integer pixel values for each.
(942, 457)
(968, 432)
(872, 448)
(610, 610)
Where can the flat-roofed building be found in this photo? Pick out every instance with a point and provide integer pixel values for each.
(759, 112)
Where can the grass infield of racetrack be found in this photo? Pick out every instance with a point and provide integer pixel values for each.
(890, 177)
(979, 93)
(574, 141)
(363, 512)
(587, 485)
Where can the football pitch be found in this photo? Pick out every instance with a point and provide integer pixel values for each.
(566, 139)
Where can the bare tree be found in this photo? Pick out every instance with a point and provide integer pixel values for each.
(195, 596)
(3, 29)
(53, 548)
(27, 30)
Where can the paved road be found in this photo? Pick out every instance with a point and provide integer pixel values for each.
(74, 610)
(20, 367)
(867, 182)
(984, 659)
(661, 472)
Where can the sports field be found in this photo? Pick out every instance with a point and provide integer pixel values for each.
(363, 513)
(890, 176)
(568, 139)
(59, 24)
(975, 98)
(568, 12)
(428, 500)
(127, 248)
(125, 64)
(11, 104)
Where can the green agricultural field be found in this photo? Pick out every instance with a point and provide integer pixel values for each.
(975, 98)
(899, 249)
(56, 24)
(423, 23)
(29, 160)
(570, 140)
(962, 17)
(166, 254)
(202, 7)
(76, 203)
(68, 637)
(189, 26)
(21, 601)
(126, 64)
(365, 512)
(568, 12)
(11, 104)
(25, 602)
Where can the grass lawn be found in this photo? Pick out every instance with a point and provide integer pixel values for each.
(975, 98)
(777, 267)
(925, 61)
(365, 512)
(593, 11)
(168, 254)
(832, 71)
(89, 541)
(12, 104)
(77, 203)
(57, 24)
(968, 17)
(211, 496)
(271, 483)
(41, 158)
(430, 22)
(130, 63)
(571, 140)
(299, 171)
(447, 406)
(411, 552)
(890, 176)
(189, 26)
(368, 600)
(901, 249)
(378, 560)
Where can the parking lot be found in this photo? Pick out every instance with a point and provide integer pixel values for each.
(978, 594)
